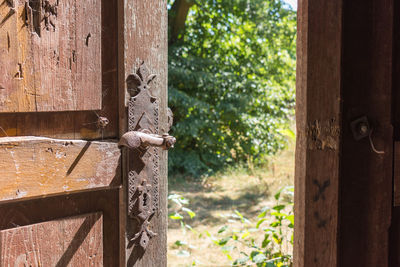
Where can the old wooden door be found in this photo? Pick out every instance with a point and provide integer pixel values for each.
(347, 90)
(70, 72)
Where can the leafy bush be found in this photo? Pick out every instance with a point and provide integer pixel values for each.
(178, 208)
(231, 83)
(242, 246)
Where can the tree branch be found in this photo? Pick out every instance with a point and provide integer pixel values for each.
(177, 18)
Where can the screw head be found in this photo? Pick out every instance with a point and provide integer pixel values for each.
(363, 128)
(360, 128)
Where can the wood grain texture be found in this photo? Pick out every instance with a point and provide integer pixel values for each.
(394, 238)
(143, 37)
(50, 56)
(343, 188)
(92, 163)
(34, 166)
(76, 241)
(318, 111)
(396, 70)
(22, 213)
(394, 234)
(366, 177)
(396, 175)
(80, 124)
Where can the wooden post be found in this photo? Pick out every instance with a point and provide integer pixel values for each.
(318, 133)
(366, 177)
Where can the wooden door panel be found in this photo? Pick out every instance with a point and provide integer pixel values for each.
(64, 87)
(36, 166)
(25, 213)
(76, 241)
(77, 124)
(50, 59)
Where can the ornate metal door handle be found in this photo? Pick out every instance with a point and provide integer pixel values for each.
(136, 139)
(144, 141)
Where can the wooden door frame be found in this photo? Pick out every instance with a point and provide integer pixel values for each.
(142, 37)
(343, 189)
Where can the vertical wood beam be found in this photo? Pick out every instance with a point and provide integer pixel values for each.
(343, 189)
(394, 238)
(366, 177)
(318, 114)
(143, 37)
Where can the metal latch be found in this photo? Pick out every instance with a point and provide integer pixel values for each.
(361, 128)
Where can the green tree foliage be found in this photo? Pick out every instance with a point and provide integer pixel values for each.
(231, 81)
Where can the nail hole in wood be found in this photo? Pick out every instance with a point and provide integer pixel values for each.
(8, 42)
(19, 74)
(87, 39)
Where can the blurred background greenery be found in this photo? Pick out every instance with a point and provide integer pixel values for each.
(232, 68)
(231, 81)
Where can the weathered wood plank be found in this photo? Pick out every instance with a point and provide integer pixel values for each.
(85, 122)
(396, 70)
(143, 37)
(22, 213)
(76, 241)
(35, 166)
(14, 71)
(318, 114)
(394, 234)
(366, 177)
(50, 55)
(78, 125)
(396, 104)
(396, 175)
(394, 238)
(343, 188)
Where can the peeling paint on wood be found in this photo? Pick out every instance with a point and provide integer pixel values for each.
(323, 135)
(35, 166)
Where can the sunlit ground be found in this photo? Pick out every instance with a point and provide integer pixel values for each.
(215, 198)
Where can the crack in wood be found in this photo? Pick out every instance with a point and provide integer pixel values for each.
(56, 57)
(8, 42)
(38, 12)
(8, 16)
(74, 56)
(50, 13)
(10, 3)
(19, 74)
(33, 15)
(33, 94)
(87, 39)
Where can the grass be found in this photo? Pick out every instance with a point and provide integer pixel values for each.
(214, 198)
